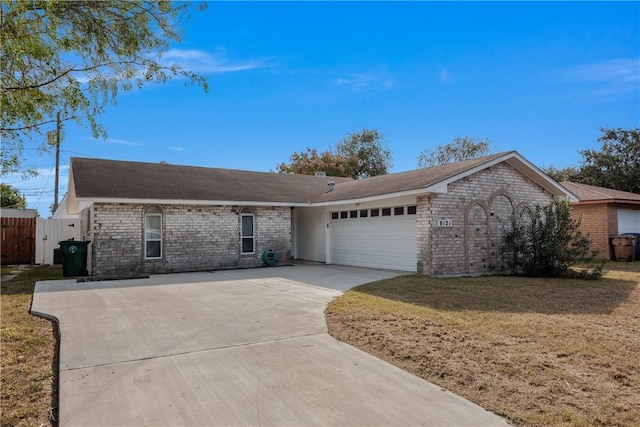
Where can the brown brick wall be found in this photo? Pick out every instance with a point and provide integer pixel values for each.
(599, 222)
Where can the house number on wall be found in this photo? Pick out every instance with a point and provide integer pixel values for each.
(445, 222)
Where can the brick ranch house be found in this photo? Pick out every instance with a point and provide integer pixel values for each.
(605, 213)
(161, 218)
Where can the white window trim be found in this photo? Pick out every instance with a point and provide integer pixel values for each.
(252, 236)
(147, 215)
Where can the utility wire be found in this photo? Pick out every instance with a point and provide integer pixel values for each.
(46, 183)
(80, 154)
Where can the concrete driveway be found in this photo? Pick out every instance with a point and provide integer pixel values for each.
(237, 347)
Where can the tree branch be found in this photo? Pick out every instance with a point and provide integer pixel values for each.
(36, 125)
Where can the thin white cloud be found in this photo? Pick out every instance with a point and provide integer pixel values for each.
(616, 71)
(194, 60)
(366, 82)
(612, 77)
(176, 149)
(207, 63)
(123, 142)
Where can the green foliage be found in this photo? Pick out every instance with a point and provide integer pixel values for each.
(547, 242)
(565, 174)
(457, 150)
(74, 57)
(310, 162)
(358, 155)
(11, 197)
(367, 147)
(617, 164)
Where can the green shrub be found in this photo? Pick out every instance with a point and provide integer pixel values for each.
(547, 242)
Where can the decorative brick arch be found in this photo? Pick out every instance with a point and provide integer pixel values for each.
(499, 193)
(477, 237)
(501, 212)
(522, 208)
(485, 226)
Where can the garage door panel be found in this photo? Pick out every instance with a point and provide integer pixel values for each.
(628, 221)
(378, 242)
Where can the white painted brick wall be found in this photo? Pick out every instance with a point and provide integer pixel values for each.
(480, 206)
(194, 238)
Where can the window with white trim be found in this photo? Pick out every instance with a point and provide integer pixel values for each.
(247, 234)
(153, 233)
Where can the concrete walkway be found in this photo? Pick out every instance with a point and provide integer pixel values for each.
(238, 347)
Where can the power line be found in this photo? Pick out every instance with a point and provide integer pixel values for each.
(45, 185)
(80, 154)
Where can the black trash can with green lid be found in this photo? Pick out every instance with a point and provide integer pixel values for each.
(74, 257)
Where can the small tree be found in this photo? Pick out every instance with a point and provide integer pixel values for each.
(548, 243)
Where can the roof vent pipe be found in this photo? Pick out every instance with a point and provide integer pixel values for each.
(331, 184)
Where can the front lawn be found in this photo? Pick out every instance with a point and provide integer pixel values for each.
(29, 370)
(536, 351)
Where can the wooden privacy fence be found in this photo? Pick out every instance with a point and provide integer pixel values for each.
(18, 240)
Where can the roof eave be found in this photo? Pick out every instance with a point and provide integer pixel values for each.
(607, 201)
(534, 173)
(522, 165)
(189, 202)
(416, 192)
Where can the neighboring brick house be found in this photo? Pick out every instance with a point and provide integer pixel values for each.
(605, 213)
(159, 218)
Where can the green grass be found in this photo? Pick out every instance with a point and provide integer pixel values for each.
(536, 351)
(29, 371)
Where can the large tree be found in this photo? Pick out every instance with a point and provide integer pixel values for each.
(457, 150)
(357, 155)
(368, 147)
(11, 197)
(617, 164)
(74, 56)
(310, 162)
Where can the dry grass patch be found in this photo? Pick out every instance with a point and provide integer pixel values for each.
(27, 353)
(536, 351)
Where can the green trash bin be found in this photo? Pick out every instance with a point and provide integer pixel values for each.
(74, 257)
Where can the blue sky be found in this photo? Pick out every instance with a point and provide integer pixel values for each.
(540, 78)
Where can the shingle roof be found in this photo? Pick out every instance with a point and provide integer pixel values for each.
(111, 179)
(94, 179)
(587, 192)
(402, 181)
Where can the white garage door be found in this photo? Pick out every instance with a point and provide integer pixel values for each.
(378, 238)
(628, 221)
